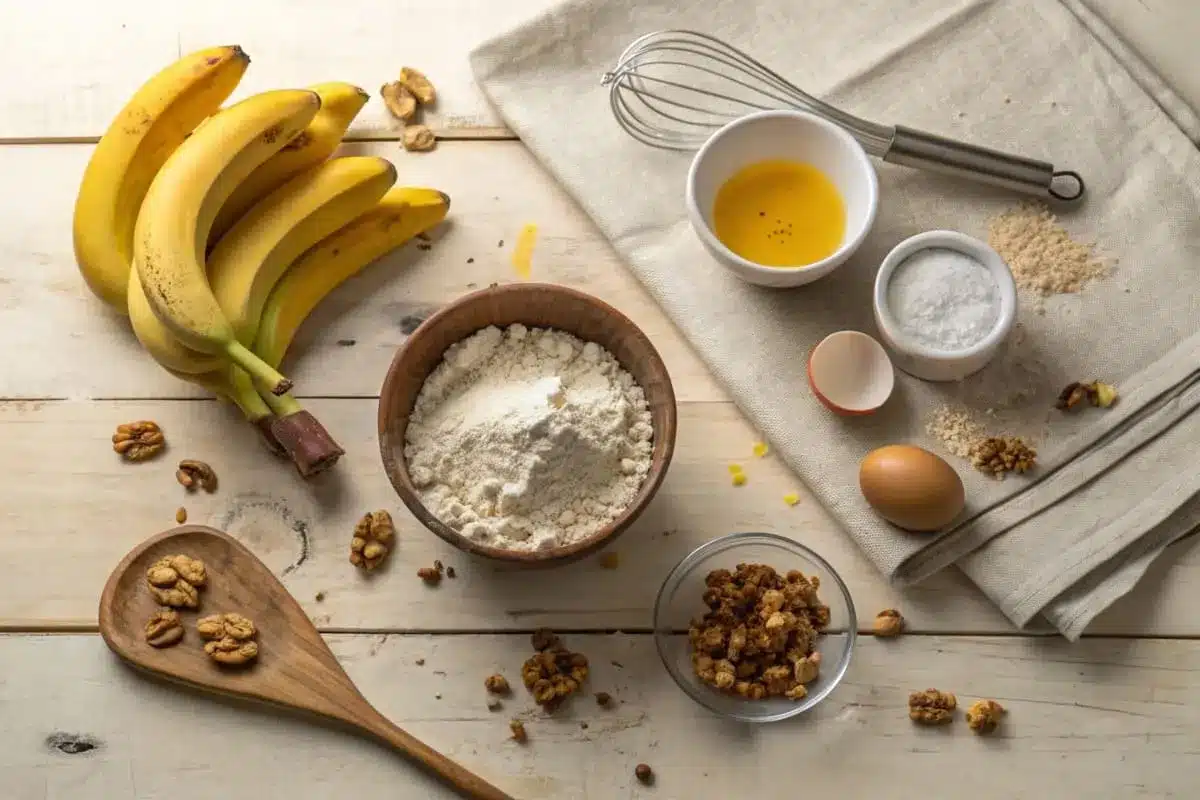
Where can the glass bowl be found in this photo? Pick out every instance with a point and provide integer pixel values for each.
(679, 601)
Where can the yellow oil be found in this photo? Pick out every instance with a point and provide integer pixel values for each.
(522, 257)
(780, 213)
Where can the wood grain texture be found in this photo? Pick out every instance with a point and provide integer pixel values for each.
(344, 349)
(294, 668)
(536, 305)
(302, 530)
(1101, 718)
(71, 72)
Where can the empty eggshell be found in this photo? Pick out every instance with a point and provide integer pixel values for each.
(850, 373)
(911, 488)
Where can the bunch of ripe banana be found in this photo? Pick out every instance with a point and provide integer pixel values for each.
(219, 229)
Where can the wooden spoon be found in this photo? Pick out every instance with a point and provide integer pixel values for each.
(295, 669)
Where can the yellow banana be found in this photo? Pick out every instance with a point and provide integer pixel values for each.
(403, 213)
(158, 117)
(159, 342)
(249, 260)
(340, 104)
(179, 208)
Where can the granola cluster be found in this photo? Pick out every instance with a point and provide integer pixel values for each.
(758, 637)
(553, 673)
(984, 715)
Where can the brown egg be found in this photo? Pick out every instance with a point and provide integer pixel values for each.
(910, 487)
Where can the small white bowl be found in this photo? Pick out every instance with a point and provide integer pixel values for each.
(850, 373)
(920, 360)
(795, 136)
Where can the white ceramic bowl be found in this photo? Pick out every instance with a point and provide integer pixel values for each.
(795, 136)
(918, 359)
(850, 373)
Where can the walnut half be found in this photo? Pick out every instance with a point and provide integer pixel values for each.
(372, 539)
(230, 638)
(931, 707)
(174, 580)
(164, 628)
(194, 474)
(138, 441)
(888, 623)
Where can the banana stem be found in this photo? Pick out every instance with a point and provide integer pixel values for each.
(243, 395)
(259, 370)
(305, 439)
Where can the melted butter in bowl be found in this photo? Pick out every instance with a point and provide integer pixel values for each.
(781, 198)
(780, 213)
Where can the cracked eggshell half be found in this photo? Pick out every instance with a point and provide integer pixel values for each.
(911, 487)
(850, 373)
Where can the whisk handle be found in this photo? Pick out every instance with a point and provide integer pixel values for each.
(913, 148)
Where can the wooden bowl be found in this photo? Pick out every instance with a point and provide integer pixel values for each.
(536, 305)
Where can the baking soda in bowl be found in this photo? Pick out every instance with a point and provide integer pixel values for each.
(943, 299)
(528, 439)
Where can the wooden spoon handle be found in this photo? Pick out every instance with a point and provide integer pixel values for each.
(466, 782)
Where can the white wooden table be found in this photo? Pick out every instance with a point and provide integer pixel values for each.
(1113, 716)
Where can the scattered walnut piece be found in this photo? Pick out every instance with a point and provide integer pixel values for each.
(181, 515)
(644, 774)
(603, 699)
(399, 100)
(194, 474)
(610, 560)
(174, 580)
(230, 638)
(553, 673)
(430, 575)
(450, 573)
(497, 684)
(984, 715)
(518, 731)
(415, 81)
(418, 138)
(758, 637)
(138, 441)
(931, 707)
(997, 455)
(1101, 395)
(372, 539)
(543, 639)
(888, 623)
(164, 628)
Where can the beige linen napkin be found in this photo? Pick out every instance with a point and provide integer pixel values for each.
(1041, 78)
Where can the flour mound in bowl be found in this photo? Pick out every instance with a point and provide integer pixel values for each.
(528, 439)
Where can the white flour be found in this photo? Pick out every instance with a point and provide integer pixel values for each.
(528, 439)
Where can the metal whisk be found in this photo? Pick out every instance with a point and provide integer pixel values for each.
(672, 89)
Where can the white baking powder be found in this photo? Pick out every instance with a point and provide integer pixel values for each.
(528, 439)
(943, 299)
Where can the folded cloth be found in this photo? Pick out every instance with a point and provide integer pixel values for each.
(1041, 78)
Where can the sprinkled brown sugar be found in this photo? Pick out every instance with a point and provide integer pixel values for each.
(1041, 254)
(956, 430)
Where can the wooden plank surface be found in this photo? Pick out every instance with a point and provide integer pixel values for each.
(1104, 718)
(91, 57)
(62, 447)
(495, 188)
